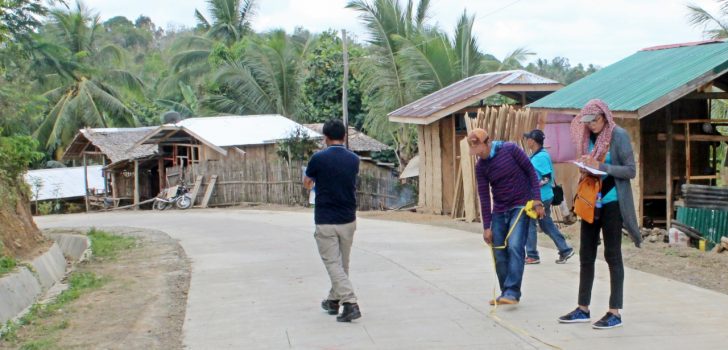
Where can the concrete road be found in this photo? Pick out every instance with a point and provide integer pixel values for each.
(257, 282)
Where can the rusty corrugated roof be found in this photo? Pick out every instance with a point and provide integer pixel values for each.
(470, 90)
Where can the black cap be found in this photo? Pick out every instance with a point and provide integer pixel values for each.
(536, 135)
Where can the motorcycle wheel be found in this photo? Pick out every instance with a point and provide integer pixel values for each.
(184, 202)
(160, 205)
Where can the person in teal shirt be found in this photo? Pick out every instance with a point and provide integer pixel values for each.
(541, 161)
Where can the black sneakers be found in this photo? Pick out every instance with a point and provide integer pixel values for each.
(350, 312)
(330, 306)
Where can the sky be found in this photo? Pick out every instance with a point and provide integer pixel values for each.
(600, 32)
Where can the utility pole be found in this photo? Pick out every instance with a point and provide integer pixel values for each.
(345, 94)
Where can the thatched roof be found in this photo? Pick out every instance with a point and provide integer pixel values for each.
(116, 143)
(358, 141)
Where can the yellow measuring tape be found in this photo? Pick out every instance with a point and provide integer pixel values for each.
(530, 212)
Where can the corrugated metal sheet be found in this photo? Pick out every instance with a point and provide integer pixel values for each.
(63, 183)
(243, 130)
(712, 223)
(641, 78)
(466, 89)
(358, 141)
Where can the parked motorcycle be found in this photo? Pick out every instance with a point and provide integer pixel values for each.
(179, 197)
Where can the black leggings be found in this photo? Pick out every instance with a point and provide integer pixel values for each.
(610, 223)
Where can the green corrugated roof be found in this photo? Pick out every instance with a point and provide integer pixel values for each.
(641, 78)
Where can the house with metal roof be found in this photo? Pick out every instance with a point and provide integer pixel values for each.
(443, 119)
(663, 96)
(240, 152)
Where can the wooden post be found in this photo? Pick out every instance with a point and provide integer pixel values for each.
(687, 152)
(160, 172)
(106, 177)
(344, 94)
(668, 168)
(85, 180)
(136, 185)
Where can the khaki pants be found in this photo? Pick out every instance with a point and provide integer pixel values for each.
(334, 245)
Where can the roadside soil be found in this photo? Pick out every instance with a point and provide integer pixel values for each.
(142, 306)
(688, 265)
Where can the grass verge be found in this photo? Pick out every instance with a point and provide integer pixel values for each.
(40, 331)
(107, 246)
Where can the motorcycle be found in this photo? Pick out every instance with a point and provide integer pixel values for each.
(174, 196)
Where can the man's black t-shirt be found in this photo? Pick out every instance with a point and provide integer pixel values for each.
(334, 171)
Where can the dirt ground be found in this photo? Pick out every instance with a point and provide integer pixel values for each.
(142, 306)
(19, 236)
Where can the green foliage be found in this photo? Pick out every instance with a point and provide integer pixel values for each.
(322, 87)
(715, 26)
(16, 153)
(298, 146)
(7, 264)
(263, 77)
(560, 69)
(105, 245)
(45, 208)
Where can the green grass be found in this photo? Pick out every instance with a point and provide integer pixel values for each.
(7, 264)
(78, 284)
(39, 344)
(106, 245)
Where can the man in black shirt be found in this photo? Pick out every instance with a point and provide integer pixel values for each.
(333, 172)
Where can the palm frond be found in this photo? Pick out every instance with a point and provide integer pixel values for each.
(201, 20)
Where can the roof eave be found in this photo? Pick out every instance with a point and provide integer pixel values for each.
(465, 103)
(148, 139)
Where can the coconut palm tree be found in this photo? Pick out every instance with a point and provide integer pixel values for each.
(265, 76)
(229, 23)
(85, 85)
(715, 27)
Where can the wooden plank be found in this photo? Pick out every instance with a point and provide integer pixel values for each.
(85, 181)
(437, 188)
(196, 188)
(136, 185)
(421, 201)
(208, 191)
(457, 194)
(429, 180)
(468, 174)
(687, 153)
(447, 133)
(694, 138)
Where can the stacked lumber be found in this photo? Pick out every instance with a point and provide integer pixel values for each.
(504, 123)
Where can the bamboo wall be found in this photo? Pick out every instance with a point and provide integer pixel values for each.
(260, 176)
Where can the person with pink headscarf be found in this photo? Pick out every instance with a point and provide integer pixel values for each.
(602, 144)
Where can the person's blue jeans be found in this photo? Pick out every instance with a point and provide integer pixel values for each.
(550, 229)
(510, 261)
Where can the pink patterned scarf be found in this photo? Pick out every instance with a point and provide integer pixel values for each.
(580, 132)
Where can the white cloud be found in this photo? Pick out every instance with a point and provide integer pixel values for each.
(596, 31)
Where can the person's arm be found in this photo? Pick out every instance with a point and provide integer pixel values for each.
(541, 163)
(623, 147)
(484, 194)
(525, 164)
(309, 179)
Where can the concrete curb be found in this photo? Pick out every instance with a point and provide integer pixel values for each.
(21, 289)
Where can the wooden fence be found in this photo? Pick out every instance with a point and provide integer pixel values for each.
(277, 182)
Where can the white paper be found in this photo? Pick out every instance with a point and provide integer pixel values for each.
(591, 170)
